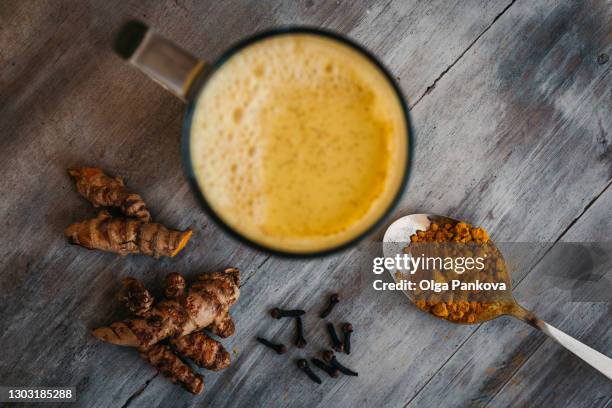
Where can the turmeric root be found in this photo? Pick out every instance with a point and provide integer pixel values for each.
(203, 350)
(171, 366)
(127, 236)
(135, 297)
(204, 304)
(223, 326)
(174, 286)
(102, 190)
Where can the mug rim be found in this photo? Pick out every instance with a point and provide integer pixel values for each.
(186, 138)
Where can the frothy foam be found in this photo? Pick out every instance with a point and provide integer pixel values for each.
(299, 142)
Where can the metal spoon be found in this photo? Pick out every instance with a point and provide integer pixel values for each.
(395, 241)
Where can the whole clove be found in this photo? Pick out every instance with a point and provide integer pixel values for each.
(278, 313)
(336, 343)
(303, 365)
(333, 372)
(333, 299)
(300, 341)
(279, 348)
(347, 329)
(329, 357)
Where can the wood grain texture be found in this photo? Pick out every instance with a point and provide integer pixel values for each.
(511, 111)
(571, 310)
(483, 364)
(506, 363)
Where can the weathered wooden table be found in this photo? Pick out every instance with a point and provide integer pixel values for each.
(511, 103)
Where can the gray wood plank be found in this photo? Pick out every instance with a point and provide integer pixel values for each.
(551, 367)
(506, 363)
(66, 100)
(477, 371)
(494, 141)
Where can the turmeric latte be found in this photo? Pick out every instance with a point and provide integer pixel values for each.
(298, 142)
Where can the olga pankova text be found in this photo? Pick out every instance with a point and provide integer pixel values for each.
(407, 264)
(431, 285)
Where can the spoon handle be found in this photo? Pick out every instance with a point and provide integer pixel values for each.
(597, 360)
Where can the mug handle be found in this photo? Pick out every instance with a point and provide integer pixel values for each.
(163, 61)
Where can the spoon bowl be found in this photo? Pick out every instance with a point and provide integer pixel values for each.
(400, 230)
(396, 241)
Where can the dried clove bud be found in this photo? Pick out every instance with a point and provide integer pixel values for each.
(279, 348)
(336, 343)
(330, 358)
(278, 313)
(333, 299)
(300, 341)
(303, 364)
(332, 371)
(347, 329)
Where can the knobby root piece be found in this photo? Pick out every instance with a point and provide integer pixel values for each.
(127, 236)
(174, 286)
(223, 327)
(135, 297)
(171, 366)
(103, 190)
(204, 302)
(203, 350)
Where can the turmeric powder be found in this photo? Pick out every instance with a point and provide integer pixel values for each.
(459, 306)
